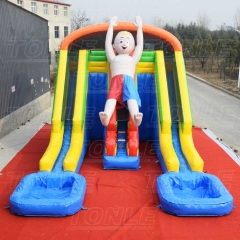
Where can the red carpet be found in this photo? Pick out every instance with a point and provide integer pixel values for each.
(121, 204)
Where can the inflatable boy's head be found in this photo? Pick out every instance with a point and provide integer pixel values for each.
(124, 42)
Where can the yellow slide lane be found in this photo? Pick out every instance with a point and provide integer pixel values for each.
(48, 159)
(164, 116)
(185, 128)
(77, 139)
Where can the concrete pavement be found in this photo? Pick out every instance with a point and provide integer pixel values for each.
(13, 142)
(217, 110)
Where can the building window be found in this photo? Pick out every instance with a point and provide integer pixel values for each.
(65, 11)
(65, 31)
(55, 10)
(33, 7)
(56, 32)
(45, 9)
(20, 3)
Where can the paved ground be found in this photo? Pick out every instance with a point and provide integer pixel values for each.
(217, 111)
(17, 139)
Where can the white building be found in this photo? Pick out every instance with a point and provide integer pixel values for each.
(58, 16)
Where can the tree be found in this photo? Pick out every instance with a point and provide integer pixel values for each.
(79, 19)
(236, 19)
(203, 20)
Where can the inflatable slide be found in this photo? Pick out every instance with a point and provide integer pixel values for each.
(80, 94)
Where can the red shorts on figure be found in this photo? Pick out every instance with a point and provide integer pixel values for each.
(122, 88)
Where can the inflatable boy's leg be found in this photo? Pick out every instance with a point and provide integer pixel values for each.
(134, 111)
(108, 111)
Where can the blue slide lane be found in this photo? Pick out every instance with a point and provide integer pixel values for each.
(187, 193)
(57, 193)
(68, 123)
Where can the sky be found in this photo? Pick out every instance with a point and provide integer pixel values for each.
(169, 11)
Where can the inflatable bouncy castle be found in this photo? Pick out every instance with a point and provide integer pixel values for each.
(81, 91)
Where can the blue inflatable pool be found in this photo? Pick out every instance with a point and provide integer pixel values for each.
(48, 194)
(193, 194)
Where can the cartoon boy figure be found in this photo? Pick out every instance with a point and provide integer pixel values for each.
(122, 88)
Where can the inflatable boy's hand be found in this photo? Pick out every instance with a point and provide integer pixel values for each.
(138, 22)
(113, 22)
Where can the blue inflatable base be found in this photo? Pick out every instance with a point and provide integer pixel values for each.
(121, 162)
(193, 194)
(48, 194)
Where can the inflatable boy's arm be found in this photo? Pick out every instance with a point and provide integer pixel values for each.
(139, 48)
(108, 42)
